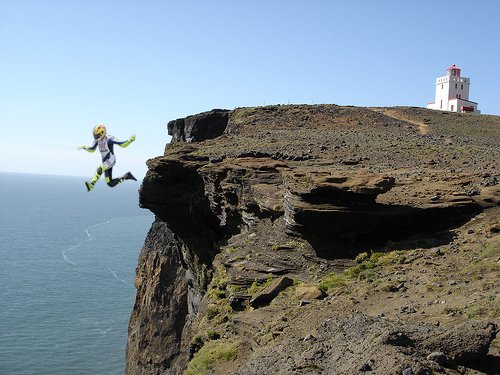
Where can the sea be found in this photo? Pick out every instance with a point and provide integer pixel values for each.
(67, 267)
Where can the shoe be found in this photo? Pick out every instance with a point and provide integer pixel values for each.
(89, 185)
(129, 176)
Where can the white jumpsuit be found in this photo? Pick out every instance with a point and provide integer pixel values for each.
(106, 149)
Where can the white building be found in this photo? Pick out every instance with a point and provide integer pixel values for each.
(452, 93)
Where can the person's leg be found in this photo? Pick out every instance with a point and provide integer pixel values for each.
(109, 178)
(115, 181)
(98, 173)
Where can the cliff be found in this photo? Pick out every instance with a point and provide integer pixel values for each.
(321, 239)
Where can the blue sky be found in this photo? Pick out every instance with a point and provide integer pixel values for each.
(66, 65)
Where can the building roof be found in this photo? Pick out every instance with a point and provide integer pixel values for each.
(456, 68)
(463, 100)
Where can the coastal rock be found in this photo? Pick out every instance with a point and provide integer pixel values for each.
(199, 127)
(297, 192)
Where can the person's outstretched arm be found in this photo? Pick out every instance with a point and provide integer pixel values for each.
(125, 143)
(89, 149)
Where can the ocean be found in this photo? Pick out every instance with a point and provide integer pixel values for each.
(67, 267)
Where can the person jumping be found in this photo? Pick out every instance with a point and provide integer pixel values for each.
(106, 143)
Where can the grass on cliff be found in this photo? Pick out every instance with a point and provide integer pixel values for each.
(488, 307)
(218, 311)
(257, 286)
(485, 267)
(491, 251)
(485, 262)
(210, 355)
(368, 265)
(332, 281)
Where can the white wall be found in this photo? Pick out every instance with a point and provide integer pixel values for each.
(460, 102)
(459, 86)
(446, 93)
(442, 89)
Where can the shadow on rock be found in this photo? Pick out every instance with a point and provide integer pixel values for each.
(338, 234)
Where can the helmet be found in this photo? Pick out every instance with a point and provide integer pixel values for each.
(99, 132)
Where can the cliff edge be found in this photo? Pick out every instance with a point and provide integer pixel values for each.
(321, 239)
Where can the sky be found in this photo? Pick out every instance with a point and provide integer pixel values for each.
(134, 65)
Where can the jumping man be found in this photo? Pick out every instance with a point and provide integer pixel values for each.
(106, 143)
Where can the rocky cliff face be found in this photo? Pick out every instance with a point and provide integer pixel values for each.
(320, 239)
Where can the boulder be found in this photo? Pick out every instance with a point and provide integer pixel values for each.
(271, 292)
(466, 342)
(309, 292)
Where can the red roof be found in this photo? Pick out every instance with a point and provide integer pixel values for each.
(456, 68)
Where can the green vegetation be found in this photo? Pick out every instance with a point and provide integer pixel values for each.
(232, 289)
(258, 286)
(218, 285)
(369, 263)
(198, 154)
(332, 281)
(211, 311)
(230, 249)
(476, 312)
(212, 335)
(198, 339)
(211, 354)
(366, 269)
(484, 262)
(220, 293)
(296, 244)
(218, 310)
(292, 244)
(216, 313)
(488, 307)
(491, 251)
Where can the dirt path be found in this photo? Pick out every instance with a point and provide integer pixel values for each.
(422, 128)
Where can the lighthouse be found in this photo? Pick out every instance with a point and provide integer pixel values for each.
(452, 93)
